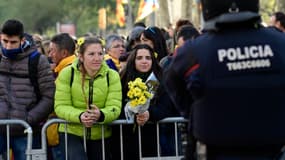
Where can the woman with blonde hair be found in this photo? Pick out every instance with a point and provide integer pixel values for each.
(88, 93)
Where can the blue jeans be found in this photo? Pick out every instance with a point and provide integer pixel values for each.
(18, 145)
(58, 151)
(76, 150)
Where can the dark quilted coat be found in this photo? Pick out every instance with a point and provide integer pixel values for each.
(17, 97)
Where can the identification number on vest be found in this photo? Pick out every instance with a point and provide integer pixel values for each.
(248, 57)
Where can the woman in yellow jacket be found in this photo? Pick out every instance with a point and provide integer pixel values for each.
(88, 92)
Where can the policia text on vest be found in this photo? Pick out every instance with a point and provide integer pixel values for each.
(248, 57)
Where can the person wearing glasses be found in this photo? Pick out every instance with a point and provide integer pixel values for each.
(114, 48)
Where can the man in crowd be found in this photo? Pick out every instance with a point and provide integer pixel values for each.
(278, 20)
(24, 94)
(61, 52)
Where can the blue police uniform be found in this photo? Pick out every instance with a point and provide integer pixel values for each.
(234, 80)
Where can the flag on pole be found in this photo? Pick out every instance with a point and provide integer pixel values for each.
(120, 13)
(102, 24)
(146, 7)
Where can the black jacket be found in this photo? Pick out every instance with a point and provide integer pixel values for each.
(234, 80)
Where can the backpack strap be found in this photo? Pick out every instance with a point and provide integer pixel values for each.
(108, 83)
(71, 76)
(33, 72)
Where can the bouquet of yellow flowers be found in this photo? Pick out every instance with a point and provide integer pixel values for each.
(139, 98)
(140, 93)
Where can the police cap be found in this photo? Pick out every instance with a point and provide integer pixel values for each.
(214, 8)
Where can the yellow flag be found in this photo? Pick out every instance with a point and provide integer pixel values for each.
(120, 13)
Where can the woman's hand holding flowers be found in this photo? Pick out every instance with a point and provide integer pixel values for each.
(142, 118)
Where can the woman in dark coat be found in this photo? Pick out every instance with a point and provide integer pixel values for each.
(141, 63)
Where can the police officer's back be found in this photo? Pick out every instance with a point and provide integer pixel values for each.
(235, 74)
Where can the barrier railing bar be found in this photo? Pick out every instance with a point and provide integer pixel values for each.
(28, 130)
(46, 125)
(103, 142)
(157, 141)
(43, 133)
(84, 139)
(121, 142)
(65, 141)
(176, 139)
(165, 120)
(140, 142)
(8, 140)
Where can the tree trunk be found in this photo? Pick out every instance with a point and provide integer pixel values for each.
(281, 5)
(186, 9)
(162, 15)
(170, 11)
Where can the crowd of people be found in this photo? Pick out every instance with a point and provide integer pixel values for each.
(227, 79)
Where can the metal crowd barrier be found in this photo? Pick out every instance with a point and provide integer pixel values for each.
(41, 154)
(28, 130)
(174, 120)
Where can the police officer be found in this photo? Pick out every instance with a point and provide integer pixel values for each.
(231, 80)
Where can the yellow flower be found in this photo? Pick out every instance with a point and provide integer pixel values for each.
(102, 41)
(155, 54)
(80, 41)
(142, 100)
(130, 94)
(138, 93)
(133, 103)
